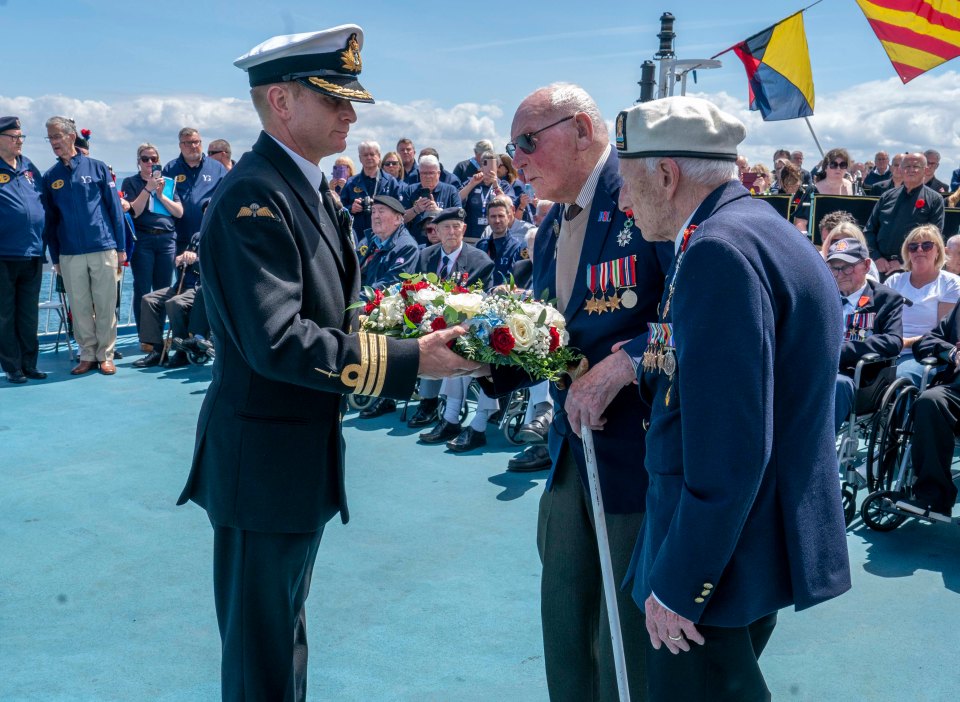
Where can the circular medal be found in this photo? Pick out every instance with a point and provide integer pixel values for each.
(628, 299)
(669, 363)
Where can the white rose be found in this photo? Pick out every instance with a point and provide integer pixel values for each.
(523, 330)
(532, 309)
(555, 319)
(466, 303)
(391, 310)
(427, 295)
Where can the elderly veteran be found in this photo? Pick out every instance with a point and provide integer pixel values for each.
(278, 275)
(872, 320)
(21, 256)
(742, 510)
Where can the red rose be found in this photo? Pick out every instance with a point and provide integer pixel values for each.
(920, 203)
(415, 313)
(459, 289)
(438, 323)
(502, 341)
(554, 339)
(369, 307)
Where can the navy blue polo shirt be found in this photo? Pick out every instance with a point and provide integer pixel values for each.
(504, 252)
(362, 185)
(413, 175)
(194, 187)
(83, 209)
(132, 187)
(444, 195)
(476, 207)
(21, 210)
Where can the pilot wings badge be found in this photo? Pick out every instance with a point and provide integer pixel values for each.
(255, 210)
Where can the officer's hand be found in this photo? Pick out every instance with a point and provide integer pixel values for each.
(356, 207)
(592, 393)
(438, 361)
(666, 627)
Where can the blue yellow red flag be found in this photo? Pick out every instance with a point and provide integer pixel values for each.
(778, 70)
(916, 34)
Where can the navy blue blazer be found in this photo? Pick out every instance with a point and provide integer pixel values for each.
(471, 265)
(619, 447)
(743, 510)
(886, 332)
(381, 263)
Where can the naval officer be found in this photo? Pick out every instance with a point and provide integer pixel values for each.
(278, 274)
(743, 512)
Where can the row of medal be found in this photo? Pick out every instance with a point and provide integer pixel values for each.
(621, 275)
(859, 326)
(660, 355)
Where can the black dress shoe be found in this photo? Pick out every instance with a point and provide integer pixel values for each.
(535, 431)
(378, 408)
(149, 361)
(467, 441)
(442, 432)
(16, 377)
(117, 355)
(426, 413)
(177, 359)
(533, 458)
(34, 374)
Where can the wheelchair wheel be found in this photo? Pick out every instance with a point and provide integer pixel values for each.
(878, 512)
(511, 429)
(198, 359)
(849, 499)
(888, 433)
(360, 402)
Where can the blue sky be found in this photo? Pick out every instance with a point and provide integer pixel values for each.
(443, 74)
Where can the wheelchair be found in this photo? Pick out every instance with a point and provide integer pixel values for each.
(361, 402)
(895, 476)
(869, 419)
(514, 412)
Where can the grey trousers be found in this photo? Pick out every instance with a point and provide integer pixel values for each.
(576, 632)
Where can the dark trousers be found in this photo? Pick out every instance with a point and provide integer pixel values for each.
(724, 669)
(19, 313)
(151, 265)
(260, 583)
(578, 653)
(935, 423)
(154, 308)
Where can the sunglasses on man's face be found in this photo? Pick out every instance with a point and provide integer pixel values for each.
(527, 143)
(920, 246)
(149, 159)
(214, 153)
(838, 164)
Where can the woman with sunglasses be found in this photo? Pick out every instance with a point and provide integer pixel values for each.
(831, 180)
(392, 165)
(153, 210)
(933, 291)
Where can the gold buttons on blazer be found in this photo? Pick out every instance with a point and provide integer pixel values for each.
(708, 586)
(704, 593)
(698, 600)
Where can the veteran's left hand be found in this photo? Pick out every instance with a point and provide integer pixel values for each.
(592, 393)
(667, 627)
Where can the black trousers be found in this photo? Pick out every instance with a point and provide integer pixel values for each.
(261, 582)
(935, 423)
(19, 313)
(724, 669)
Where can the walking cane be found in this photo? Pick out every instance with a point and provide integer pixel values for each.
(606, 564)
(167, 341)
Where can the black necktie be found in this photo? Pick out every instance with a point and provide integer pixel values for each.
(572, 211)
(444, 270)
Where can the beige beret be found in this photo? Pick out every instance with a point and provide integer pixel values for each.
(679, 126)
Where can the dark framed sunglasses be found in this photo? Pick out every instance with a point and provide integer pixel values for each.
(429, 230)
(838, 164)
(527, 143)
(920, 246)
(391, 163)
(149, 159)
(214, 153)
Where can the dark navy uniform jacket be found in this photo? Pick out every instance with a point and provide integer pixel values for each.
(896, 213)
(472, 265)
(619, 447)
(444, 195)
(21, 210)
(360, 186)
(194, 186)
(382, 262)
(504, 252)
(886, 332)
(278, 275)
(743, 516)
(84, 214)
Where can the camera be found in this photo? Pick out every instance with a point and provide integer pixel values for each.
(367, 204)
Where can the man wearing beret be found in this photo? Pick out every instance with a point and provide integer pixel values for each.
(561, 142)
(743, 516)
(21, 256)
(278, 275)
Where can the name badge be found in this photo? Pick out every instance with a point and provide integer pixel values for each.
(482, 221)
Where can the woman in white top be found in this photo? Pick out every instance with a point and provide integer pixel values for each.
(933, 291)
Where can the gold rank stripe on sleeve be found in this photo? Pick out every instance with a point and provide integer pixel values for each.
(368, 376)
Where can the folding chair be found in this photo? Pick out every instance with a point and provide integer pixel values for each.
(60, 306)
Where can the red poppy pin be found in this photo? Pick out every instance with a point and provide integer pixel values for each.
(863, 301)
(920, 203)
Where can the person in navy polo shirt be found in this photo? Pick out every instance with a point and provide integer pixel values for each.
(478, 192)
(197, 177)
(85, 233)
(503, 250)
(358, 192)
(427, 197)
(21, 256)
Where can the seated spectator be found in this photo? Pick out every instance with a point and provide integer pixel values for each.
(358, 192)
(898, 212)
(445, 175)
(830, 180)
(430, 231)
(894, 181)
(796, 158)
(428, 197)
(953, 255)
(930, 173)
(880, 171)
(343, 170)
(154, 220)
(846, 229)
(935, 413)
(219, 150)
(393, 166)
(790, 183)
(543, 207)
(933, 291)
(503, 249)
(872, 319)
(477, 193)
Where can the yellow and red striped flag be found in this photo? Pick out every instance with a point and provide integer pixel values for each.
(916, 34)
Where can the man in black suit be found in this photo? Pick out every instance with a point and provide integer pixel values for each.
(872, 319)
(278, 275)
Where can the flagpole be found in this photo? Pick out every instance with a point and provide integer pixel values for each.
(814, 135)
(798, 12)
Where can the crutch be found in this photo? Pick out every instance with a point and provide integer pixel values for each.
(606, 564)
(169, 338)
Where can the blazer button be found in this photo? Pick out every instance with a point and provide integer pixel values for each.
(708, 586)
(698, 600)
(704, 593)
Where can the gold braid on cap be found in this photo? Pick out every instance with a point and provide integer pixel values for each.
(339, 90)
